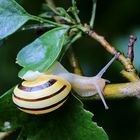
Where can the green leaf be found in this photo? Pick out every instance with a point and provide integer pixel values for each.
(41, 53)
(69, 122)
(7, 107)
(12, 17)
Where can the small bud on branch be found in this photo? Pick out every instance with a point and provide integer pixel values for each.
(130, 53)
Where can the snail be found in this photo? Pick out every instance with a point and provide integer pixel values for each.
(41, 93)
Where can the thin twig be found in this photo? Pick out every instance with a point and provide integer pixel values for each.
(130, 53)
(93, 13)
(74, 61)
(50, 3)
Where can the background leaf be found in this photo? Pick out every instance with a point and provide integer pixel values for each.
(69, 122)
(41, 53)
(12, 17)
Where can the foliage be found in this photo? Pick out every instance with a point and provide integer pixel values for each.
(12, 17)
(46, 38)
(71, 121)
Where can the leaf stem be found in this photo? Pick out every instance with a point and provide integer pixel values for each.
(75, 11)
(42, 20)
(91, 23)
(36, 26)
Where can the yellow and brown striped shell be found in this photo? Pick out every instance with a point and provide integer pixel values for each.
(43, 95)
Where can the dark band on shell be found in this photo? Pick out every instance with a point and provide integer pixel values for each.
(43, 98)
(44, 108)
(39, 87)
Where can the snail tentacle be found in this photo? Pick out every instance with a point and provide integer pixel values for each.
(100, 93)
(103, 70)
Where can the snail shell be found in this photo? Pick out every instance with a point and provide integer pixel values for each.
(42, 95)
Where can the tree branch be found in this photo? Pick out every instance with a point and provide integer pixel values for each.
(130, 71)
(122, 90)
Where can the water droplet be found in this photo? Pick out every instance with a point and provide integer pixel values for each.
(7, 125)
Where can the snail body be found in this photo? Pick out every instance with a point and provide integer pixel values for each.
(42, 95)
(84, 86)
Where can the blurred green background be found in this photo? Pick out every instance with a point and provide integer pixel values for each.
(115, 20)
